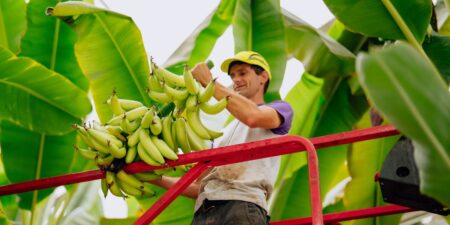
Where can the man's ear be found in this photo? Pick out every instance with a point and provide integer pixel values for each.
(264, 77)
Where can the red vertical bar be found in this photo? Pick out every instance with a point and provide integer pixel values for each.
(314, 182)
(171, 194)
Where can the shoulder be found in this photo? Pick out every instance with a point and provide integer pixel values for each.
(285, 112)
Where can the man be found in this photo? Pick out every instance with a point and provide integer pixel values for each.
(238, 193)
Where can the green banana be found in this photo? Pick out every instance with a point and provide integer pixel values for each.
(115, 121)
(115, 105)
(116, 131)
(104, 161)
(206, 94)
(164, 149)
(104, 186)
(168, 77)
(112, 184)
(104, 138)
(147, 176)
(182, 139)
(154, 84)
(136, 113)
(133, 138)
(191, 103)
(148, 117)
(128, 105)
(156, 126)
(86, 153)
(129, 190)
(117, 152)
(145, 156)
(125, 125)
(160, 97)
(167, 132)
(195, 141)
(214, 108)
(176, 94)
(129, 179)
(191, 83)
(99, 147)
(82, 133)
(131, 154)
(149, 146)
(174, 137)
(193, 119)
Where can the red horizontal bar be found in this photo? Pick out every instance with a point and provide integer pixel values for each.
(51, 182)
(349, 215)
(226, 155)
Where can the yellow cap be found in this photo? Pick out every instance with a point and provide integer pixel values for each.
(248, 57)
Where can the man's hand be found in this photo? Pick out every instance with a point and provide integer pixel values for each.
(202, 74)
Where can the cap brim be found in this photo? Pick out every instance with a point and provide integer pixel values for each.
(226, 64)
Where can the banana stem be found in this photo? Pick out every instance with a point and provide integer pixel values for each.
(407, 32)
(37, 176)
(403, 27)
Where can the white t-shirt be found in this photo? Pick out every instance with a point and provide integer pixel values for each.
(250, 181)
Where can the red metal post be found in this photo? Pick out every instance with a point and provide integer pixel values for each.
(172, 193)
(349, 215)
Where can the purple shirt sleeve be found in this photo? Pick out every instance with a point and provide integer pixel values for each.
(285, 111)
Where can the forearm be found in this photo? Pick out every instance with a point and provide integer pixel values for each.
(236, 104)
(168, 182)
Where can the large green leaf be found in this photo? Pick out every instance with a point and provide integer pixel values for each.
(410, 93)
(27, 157)
(258, 26)
(197, 47)
(364, 161)
(12, 24)
(372, 18)
(437, 48)
(320, 54)
(305, 100)
(51, 42)
(342, 111)
(37, 98)
(110, 52)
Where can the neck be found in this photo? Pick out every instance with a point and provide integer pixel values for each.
(258, 99)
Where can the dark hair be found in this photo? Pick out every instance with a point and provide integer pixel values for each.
(258, 70)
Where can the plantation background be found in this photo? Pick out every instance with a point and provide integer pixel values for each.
(377, 56)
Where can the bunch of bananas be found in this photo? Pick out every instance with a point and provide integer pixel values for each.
(140, 133)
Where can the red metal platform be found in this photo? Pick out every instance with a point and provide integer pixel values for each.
(234, 154)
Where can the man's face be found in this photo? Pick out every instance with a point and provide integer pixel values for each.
(245, 81)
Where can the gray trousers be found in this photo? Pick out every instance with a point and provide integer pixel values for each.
(230, 212)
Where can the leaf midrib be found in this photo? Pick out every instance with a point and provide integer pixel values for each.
(124, 59)
(416, 114)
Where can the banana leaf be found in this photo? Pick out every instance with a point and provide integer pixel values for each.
(364, 161)
(110, 52)
(51, 43)
(37, 98)
(3, 218)
(437, 48)
(258, 26)
(305, 99)
(12, 24)
(342, 111)
(372, 18)
(410, 93)
(27, 157)
(320, 54)
(198, 46)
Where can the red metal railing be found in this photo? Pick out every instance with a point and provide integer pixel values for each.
(233, 154)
